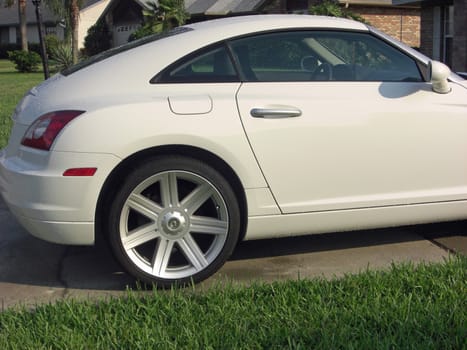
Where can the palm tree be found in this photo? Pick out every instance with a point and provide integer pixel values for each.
(74, 21)
(22, 21)
(69, 10)
(23, 24)
(162, 16)
(172, 13)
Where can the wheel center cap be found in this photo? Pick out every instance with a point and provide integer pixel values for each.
(173, 222)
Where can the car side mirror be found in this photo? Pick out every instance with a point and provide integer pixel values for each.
(439, 73)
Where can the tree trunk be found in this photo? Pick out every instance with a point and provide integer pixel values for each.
(22, 24)
(74, 29)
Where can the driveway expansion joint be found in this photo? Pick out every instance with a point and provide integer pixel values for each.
(442, 246)
(61, 272)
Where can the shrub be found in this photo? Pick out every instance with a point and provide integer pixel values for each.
(98, 39)
(25, 61)
(62, 54)
(334, 9)
(4, 48)
(141, 32)
(51, 42)
(34, 47)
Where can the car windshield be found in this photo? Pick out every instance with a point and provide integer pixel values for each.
(116, 50)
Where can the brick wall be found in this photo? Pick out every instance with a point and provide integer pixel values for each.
(400, 23)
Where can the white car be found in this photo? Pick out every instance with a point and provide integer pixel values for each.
(176, 147)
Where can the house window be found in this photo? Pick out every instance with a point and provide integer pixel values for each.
(443, 33)
(4, 35)
(448, 34)
(51, 30)
(128, 28)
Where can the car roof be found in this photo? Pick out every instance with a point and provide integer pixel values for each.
(236, 26)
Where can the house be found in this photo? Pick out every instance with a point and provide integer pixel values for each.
(402, 22)
(443, 30)
(9, 22)
(88, 16)
(125, 16)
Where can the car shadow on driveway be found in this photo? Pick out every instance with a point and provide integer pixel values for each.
(26, 260)
(348, 240)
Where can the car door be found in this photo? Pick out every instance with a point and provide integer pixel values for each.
(341, 120)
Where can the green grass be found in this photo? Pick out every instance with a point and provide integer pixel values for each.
(407, 307)
(13, 86)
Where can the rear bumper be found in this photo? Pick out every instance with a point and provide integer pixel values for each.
(49, 205)
(73, 233)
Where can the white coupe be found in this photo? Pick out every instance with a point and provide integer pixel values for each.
(176, 147)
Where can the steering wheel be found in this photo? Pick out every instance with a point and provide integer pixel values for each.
(323, 72)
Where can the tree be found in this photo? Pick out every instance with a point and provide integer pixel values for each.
(333, 9)
(161, 17)
(23, 24)
(22, 21)
(172, 13)
(69, 10)
(74, 21)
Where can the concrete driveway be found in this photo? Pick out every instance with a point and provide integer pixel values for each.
(33, 271)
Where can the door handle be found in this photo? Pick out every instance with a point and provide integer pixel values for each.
(275, 113)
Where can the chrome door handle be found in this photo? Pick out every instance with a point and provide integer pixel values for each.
(275, 113)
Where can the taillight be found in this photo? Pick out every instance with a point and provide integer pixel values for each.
(42, 133)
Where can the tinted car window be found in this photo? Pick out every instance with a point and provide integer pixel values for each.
(209, 65)
(321, 56)
(272, 57)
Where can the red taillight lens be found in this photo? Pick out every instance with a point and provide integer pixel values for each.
(80, 172)
(42, 133)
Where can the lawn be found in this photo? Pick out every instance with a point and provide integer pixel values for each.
(407, 307)
(13, 86)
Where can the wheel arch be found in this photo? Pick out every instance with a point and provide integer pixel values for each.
(119, 173)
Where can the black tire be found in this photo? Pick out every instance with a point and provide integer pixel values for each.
(175, 220)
